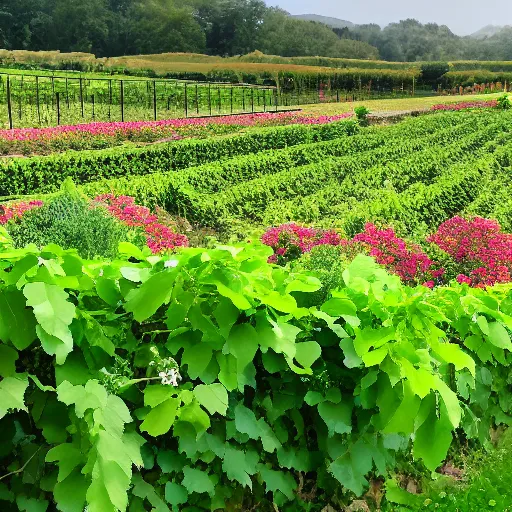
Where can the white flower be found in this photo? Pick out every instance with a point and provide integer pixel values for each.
(171, 263)
(171, 378)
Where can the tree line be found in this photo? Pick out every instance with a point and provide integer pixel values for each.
(225, 28)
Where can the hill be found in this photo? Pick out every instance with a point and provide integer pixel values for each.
(489, 31)
(331, 22)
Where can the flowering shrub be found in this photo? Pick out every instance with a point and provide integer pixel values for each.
(290, 241)
(17, 210)
(478, 245)
(410, 263)
(465, 105)
(159, 238)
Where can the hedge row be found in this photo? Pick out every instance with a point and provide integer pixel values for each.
(45, 174)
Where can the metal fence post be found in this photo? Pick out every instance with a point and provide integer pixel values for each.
(92, 101)
(210, 97)
(37, 100)
(82, 96)
(121, 85)
(197, 100)
(9, 106)
(154, 101)
(186, 100)
(57, 99)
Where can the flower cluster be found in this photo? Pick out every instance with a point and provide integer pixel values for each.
(290, 241)
(17, 210)
(159, 238)
(483, 252)
(410, 263)
(465, 105)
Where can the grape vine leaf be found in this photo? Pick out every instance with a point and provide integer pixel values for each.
(245, 422)
(68, 457)
(17, 323)
(8, 358)
(54, 314)
(91, 396)
(12, 392)
(146, 491)
(337, 417)
(196, 480)
(237, 467)
(351, 467)
(31, 504)
(161, 418)
(144, 301)
(213, 397)
(175, 494)
(70, 493)
(278, 481)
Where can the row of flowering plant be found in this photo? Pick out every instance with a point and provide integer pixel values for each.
(99, 135)
(479, 251)
(465, 105)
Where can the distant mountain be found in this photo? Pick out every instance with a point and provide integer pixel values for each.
(331, 22)
(488, 31)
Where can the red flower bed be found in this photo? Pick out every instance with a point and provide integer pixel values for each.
(479, 246)
(465, 105)
(17, 210)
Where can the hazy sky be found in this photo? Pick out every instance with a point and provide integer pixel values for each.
(462, 16)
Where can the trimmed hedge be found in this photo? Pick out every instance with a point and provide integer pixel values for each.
(45, 174)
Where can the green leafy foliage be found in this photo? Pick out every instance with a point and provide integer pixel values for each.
(223, 388)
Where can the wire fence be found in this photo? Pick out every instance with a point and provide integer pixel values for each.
(44, 100)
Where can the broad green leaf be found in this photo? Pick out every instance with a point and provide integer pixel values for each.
(434, 437)
(228, 371)
(283, 303)
(17, 323)
(158, 394)
(214, 398)
(12, 392)
(453, 354)
(337, 417)
(245, 422)
(395, 494)
(243, 344)
(278, 481)
(161, 418)
(91, 396)
(169, 461)
(236, 298)
(54, 314)
(451, 402)
(8, 358)
(499, 336)
(304, 284)
(175, 494)
(70, 493)
(198, 481)
(193, 414)
(145, 300)
(351, 468)
(236, 468)
(68, 456)
(403, 418)
(31, 504)
(369, 337)
(307, 353)
(342, 308)
(146, 491)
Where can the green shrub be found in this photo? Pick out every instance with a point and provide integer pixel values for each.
(69, 221)
(504, 102)
(362, 115)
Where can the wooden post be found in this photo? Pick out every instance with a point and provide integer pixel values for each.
(220, 100)
(92, 101)
(109, 98)
(252, 99)
(9, 106)
(231, 99)
(197, 100)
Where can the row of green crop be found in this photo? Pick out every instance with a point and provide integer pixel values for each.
(175, 191)
(45, 174)
(259, 186)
